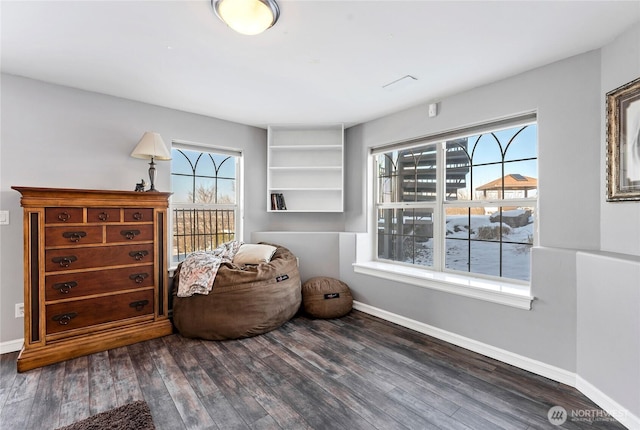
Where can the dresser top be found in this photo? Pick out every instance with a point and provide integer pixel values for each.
(39, 196)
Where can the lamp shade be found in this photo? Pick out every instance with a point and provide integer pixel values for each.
(151, 146)
(247, 16)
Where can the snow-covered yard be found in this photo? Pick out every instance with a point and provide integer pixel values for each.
(483, 238)
(483, 235)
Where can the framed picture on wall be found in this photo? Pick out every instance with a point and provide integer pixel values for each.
(623, 143)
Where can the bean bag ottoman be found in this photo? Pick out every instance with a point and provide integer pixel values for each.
(246, 300)
(324, 297)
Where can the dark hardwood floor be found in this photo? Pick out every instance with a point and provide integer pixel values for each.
(357, 372)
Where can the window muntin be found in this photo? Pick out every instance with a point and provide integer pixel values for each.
(203, 177)
(486, 161)
(407, 175)
(204, 201)
(489, 241)
(406, 235)
(466, 204)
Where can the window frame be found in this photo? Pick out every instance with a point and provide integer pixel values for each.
(512, 292)
(238, 207)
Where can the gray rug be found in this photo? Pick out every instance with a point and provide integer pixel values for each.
(132, 416)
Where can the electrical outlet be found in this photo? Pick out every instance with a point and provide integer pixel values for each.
(19, 310)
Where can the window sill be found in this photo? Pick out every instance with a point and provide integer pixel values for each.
(504, 293)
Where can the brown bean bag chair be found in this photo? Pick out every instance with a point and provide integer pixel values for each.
(244, 301)
(324, 297)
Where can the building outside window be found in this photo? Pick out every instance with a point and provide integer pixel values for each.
(460, 202)
(205, 200)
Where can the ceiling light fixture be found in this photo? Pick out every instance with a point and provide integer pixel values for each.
(247, 16)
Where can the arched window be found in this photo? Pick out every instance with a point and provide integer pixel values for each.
(205, 183)
(463, 202)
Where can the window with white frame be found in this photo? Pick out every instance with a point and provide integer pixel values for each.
(205, 200)
(462, 202)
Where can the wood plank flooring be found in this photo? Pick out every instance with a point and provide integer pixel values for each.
(357, 372)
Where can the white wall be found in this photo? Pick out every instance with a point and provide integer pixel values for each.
(54, 136)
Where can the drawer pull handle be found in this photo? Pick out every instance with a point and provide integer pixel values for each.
(65, 319)
(64, 216)
(130, 234)
(139, 305)
(103, 216)
(74, 236)
(138, 277)
(64, 261)
(138, 255)
(138, 216)
(65, 287)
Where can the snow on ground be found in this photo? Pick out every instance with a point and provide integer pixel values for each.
(485, 256)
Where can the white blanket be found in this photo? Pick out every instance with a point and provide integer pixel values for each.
(199, 269)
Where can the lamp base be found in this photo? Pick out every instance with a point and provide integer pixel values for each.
(152, 176)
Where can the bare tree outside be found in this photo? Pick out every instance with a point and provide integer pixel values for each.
(206, 218)
(207, 195)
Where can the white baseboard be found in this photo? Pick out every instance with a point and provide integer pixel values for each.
(531, 365)
(625, 417)
(505, 356)
(11, 346)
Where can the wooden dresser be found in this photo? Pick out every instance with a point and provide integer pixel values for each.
(95, 271)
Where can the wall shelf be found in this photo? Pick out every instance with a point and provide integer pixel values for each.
(305, 168)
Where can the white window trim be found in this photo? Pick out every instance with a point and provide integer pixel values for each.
(503, 291)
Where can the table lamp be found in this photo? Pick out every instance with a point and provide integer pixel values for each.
(151, 146)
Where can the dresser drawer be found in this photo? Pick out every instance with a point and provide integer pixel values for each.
(138, 215)
(103, 215)
(60, 236)
(84, 258)
(84, 313)
(66, 215)
(72, 285)
(129, 233)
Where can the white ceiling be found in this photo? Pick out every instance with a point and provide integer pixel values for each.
(323, 61)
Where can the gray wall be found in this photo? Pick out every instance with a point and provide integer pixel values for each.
(574, 309)
(608, 328)
(566, 97)
(620, 222)
(57, 136)
(310, 248)
(608, 284)
(54, 136)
